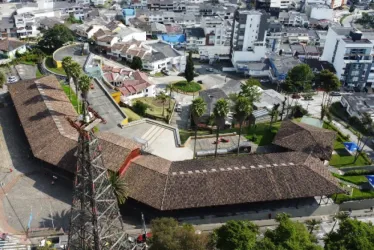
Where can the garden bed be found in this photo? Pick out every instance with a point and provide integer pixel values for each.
(155, 106)
(69, 92)
(50, 65)
(187, 87)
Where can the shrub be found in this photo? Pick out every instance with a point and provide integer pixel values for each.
(298, 111)
(140, 108)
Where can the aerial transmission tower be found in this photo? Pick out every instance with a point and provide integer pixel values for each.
(95, 222)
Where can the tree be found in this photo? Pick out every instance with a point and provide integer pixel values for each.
(243, 108)
(352, 8)
(221, 108)
(274, 115)
(367, 122)
(136, 63)
(298, 79)
(119, 186)
(84, 83)
(55, 38)
(168, 235)
(312, 225)
(2, 79)
(351, 235)
(288, 235)
(328, 81)
(237, 235)
(198, 108)
(190, 70)
(140, 108)
(251, 89)
(162, 97)
(75, 70)
(66, 64)
(171, 88)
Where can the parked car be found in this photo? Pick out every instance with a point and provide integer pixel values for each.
(209, 69)
(12, 79)
(199, 81)
(165, 72)
(178, 108)
(335, 93)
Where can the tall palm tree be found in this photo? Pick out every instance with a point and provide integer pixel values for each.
(220, 110)
(340, 216)
(198, 108)
(66, 63)
(312, 225)
(119, 186)
(243, 109)
(84, 82)
(162, 97)
(75, 70)
(171, 88)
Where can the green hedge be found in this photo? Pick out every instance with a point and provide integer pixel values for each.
(358, 172)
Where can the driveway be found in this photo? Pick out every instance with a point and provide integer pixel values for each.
(314, 106)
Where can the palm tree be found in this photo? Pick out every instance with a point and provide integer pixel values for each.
(84, 82)
(312, 225)
(274, 115)
(119, 186)
(162, 97)
(198, 108)
(171, 88)
(221, 108)
(340, 216)
(2, 79)
(75, 70)
(243, 109)
(66, 63)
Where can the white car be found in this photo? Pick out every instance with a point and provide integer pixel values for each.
(178, 108)
(12, 79)
(209, 69)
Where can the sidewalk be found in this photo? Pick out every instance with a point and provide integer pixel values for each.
(271, 222)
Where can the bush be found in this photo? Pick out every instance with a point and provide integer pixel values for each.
(190, 87)
(140, 108)
(298, 111)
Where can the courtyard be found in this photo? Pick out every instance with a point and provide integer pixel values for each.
(28, 200)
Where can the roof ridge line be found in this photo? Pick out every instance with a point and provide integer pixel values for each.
(164, 193)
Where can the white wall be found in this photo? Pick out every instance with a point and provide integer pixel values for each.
(139, 36)
(12, 54)
(248, 56)
(208, 52)
(321, 13)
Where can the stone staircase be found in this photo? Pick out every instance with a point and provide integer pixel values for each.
(5, 245)
(153, 133)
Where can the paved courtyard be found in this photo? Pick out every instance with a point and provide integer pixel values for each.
(27, 197)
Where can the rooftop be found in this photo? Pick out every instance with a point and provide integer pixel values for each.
(305, 138)
(360, 103)
(195, 32)
(9, 44)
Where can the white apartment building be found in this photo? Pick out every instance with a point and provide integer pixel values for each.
(293, 18)
(25, 25)
(336, 3)
(82, 2)
(351, 55)
(249, 36)
(195, 37)
(319, 12)
(218, 35)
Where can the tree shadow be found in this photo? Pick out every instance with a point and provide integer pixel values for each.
(57, 221)
(44, 114)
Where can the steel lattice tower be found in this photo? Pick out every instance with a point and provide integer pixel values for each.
(95, 222)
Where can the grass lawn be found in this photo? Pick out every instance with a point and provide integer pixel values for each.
(356, 195)
(38, 73)
(355, 179)
(190, 87)
(155, 106)
(27, 62)
(131, 114)
(184, 134)
(49, 64)
(343, 159)
(158, 74)
(259, 134)
(73, 98)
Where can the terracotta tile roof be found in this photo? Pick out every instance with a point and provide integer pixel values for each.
(9, 44)
(105, 38)
(306, 138)
(118, 46)
(101, 33)
(209, 182)
(42, 106)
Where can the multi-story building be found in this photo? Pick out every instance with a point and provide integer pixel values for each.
(248, 36)
(160, 5)
(293, 18)
(351, 55)
(218, 36)
(195, 37)
(25, 25)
